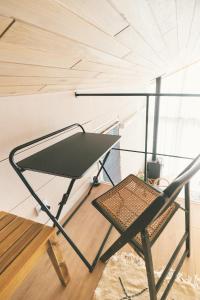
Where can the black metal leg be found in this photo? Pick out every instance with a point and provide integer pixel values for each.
(65, 198)
(55, 219)
(107, 173)
(88, 193)
(187, 217)
(101, 247)
(149, 265)
(116, 246)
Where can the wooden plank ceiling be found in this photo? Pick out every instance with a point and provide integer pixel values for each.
(58, 45)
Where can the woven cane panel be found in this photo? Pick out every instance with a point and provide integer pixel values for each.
(126, 201)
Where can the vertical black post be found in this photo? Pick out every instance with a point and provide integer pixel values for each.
(187, 216)
(146, 137)
(156, 118)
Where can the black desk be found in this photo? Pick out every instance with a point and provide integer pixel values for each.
(70, 158)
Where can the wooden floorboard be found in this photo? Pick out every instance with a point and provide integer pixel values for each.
(87, 228)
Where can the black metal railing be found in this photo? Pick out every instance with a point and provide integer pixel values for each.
(147, 95)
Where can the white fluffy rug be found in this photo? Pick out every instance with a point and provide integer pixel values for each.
(124, 278)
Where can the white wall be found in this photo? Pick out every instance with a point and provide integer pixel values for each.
(133, 138)
(23, 118)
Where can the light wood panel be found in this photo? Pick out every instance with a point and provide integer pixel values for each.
(23, 80)
(19, 90)
(99, 57)
(70, 86)
(99, 13)
(93, 225)
(35, 38)
(20, 54)
(20, 34)
(4, 23)
(53, 17)
(96, 38)
(14, 69)
(18, 81)
(57, 88)
(85, 65)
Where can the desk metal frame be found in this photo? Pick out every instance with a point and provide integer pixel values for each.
(65, 197)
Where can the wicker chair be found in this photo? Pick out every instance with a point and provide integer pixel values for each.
(140, 213)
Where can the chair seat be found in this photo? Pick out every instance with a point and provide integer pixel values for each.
(122, 204)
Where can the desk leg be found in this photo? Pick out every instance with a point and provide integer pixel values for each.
(90, 189)
(106, 173)
(91, 266)
(65, 198)
(55, 220)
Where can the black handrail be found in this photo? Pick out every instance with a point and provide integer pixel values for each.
(148, 152)
(13, 152)
(135, 94)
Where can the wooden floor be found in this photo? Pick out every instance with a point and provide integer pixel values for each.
(88, 228)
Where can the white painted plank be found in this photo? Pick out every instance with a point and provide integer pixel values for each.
(139, 14)
(166, 18)
(36, 116)
(171, 40)
(53, 193)
(143, 62)
(185, 14)
(130, 38)
(99, 13)
(13, 191)
(53, 17)
(195, 27)
(165, 14)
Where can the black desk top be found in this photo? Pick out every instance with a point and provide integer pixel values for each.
(71, 157)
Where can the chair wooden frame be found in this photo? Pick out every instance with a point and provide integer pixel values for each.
(22, 243)
(150, 214)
